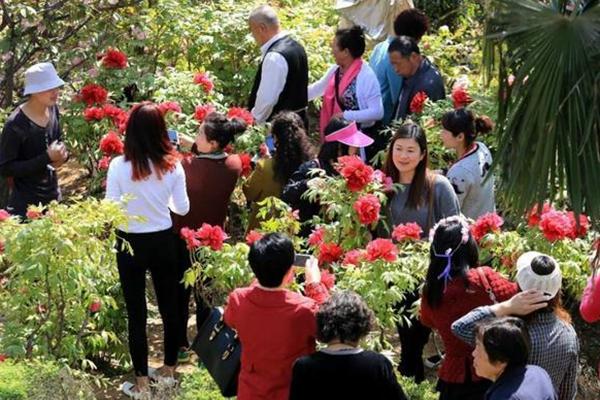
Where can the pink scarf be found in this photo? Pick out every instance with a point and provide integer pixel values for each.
(330, 105)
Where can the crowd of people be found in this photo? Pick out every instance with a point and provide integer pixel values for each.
(502, 339)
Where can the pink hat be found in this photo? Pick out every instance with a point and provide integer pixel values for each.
(350, 135)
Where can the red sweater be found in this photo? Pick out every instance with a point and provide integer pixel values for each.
(456, 302)
(275, 328)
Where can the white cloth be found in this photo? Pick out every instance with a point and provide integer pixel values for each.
(272, 80)
(152, 198)
(376, 16)
(368, 95)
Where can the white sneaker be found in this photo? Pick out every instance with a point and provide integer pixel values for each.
(165, 380)
(127, 388)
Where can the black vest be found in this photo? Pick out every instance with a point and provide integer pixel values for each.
(294, 95)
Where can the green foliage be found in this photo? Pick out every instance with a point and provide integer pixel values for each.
(198, 385)
(418, 391)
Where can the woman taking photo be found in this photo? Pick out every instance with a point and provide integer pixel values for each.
(469, 174)
(152, 178)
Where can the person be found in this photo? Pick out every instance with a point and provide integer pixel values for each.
(341, 138)
(211, 177)
(413, 23)
(292, 148)
(424, 198)
(500, 355)
(590, 300)
(554, 343)
(454, 285)
(469, 174)
(349, 88)
(419, 74)
(152, 180)
(342, 370)
(282, 77)
(275, 325)
(31, 147)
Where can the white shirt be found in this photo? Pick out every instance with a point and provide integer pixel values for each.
(368, 95)
(272, 80)
(152, 198)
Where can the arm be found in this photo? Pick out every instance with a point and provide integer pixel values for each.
(425, 313)
(568, 386)
(10, 143)
(273, 76)
(179, 202)
(113, 191)
(392, 389)
(314, 288)
(369, 96)
(464, 327)
(590, 301)
(318, 88)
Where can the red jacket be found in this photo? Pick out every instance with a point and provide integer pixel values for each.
(457, 301)
(275, 328)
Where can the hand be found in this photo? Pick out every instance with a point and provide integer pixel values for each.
(522, 303)
(58, 153)
(312, 273)
(338, 115)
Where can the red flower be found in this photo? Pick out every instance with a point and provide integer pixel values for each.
(167, 106)
(383, 249)
(316, 237)
(252, 237)
(189, 235)
(241, 113)
(104, 163)
(3, 358)
(202, 111)
(93, 94)
(418, 102)
(111, 143)
(533, 216)
(114, 59)
(354, 257)
(367, 207)
(229, 149)
(263, 150)
(4, 215)
(246, 164)
(357, 174)
(327, 279)
(202, 79)
(93, 114)
(382, 178)
(329, 253)
(556, 225)
(485, 224)
(460, 96)
(33, 214)
(409, 231)
(95, 306)
(211, 236)
(584, 225)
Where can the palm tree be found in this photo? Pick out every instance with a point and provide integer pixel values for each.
(549, 112)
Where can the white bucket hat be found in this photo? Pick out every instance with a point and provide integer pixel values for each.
(527, 278)
(41, 77)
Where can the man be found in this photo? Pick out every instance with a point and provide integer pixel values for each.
(418, 73)
(282, 77)
(30, 147)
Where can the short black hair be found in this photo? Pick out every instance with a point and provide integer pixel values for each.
(404, 45)
(352, 39)
(331, 151)
(271, 257)
(505, 340)
(412, 22)
(345, 317)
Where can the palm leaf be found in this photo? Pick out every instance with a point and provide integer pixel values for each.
(549, 119)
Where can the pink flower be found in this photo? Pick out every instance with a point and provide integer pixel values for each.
(4, 215)
(383, 249)
(202, 111)
(327, 279)
(252, 237)
(357, 174)
(95, 306)
(104, 163)
(316, 237)
(382, 178)
(111, 143)
(263, 150)
(354, 257)
(556, 225)
(584, 224)
(189, 235)
(409, 231)
(33, 213)
(211, 236)
(167, 106)
(533, 216)
(329, 253)
(490, 222)
(202, 79)
(367, 208)
(241, 113)
(114, 59)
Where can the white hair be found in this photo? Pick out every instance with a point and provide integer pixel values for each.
(264, 15)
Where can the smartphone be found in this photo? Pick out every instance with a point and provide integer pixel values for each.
(173, 137)
(301, 259)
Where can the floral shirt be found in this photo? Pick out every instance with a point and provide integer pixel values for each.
(349, 99)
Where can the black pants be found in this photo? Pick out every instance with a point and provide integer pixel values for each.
(155, 252)
(413, 339)
(468, 390)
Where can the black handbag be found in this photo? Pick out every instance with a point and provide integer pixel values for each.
(219, 349)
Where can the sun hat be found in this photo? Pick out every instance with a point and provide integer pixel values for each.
(350, 135)
(41, 77)
(527, 278)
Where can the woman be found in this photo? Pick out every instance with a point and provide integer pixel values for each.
(350, 88)
(453, 287)
(500, 355)
(343, 370)
(424, 198)
(153, 181)
(211, 177)
(469, 174)
(291, 150)
(340, 134)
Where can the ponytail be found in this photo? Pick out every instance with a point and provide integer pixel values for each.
(222, 130)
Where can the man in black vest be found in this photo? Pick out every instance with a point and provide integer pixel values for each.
(282, 78)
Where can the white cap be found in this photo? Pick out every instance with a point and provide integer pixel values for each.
(41, 77)
(527, 278)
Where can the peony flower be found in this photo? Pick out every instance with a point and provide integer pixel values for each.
(584, 224)
(354, 257)
(383, 249)
(556, 225)
(4, 215)
(252, 237)
(104, 163)
(189, 235)
(202, 111)
(533, 216)
(93, 94)
(246, 164)
(211, 236)
(114, 59)
(93, 114)
(329, 253)
(241, 113)
(202, 79)
(490, 222)
(95, 306)
(229, 149)
(111, 143)
(357, 174)
(118, 116)
(316, 237)
(327, 279)
(409, 231)
(460, 96)
(418, 103)
(367, 208)
(380, 177)
(167, 106)
(33, 213)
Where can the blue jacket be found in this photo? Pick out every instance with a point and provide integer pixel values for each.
(389, 81)
(522, 383)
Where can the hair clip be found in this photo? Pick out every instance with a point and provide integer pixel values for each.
(464, 230)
